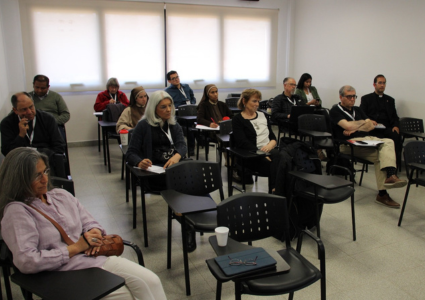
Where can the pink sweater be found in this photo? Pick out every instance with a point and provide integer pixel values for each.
(36, 244)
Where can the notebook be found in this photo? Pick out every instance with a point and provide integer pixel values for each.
(263, 259)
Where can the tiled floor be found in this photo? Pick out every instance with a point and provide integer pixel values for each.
(386, 261)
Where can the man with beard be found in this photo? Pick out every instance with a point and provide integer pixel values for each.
(282, 104)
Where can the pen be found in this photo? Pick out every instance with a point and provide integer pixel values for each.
(213, 121)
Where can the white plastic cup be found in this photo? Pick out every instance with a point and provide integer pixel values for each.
(124, 137)
(222, 234)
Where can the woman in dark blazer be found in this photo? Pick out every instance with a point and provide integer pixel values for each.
(252, 131)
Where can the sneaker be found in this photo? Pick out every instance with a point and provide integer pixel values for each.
(394, 182)
(387, 201)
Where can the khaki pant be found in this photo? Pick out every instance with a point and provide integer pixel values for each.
(382, 157)
(140, 283)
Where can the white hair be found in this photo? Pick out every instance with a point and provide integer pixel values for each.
(150, 113)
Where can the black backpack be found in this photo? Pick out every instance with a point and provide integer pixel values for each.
(298, 156)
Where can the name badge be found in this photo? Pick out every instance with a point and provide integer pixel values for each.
(187, 102)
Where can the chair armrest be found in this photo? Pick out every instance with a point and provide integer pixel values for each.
(346, 170)
(320, 246)
(137, 250)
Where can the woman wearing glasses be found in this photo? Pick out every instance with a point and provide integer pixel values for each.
(36, 244)
(252, 131)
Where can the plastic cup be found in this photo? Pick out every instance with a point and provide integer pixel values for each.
(222, 234)
(124, 137)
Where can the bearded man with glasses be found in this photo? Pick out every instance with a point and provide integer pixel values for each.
(351, 123)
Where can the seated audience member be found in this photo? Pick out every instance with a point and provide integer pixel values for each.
(380, 108)
(135, 111)
(307, 92)
(182, 94)
(49, 101)
(36, 244)
(158, 140)
(350, 122)
(27, 127)
(252, 131)
(309, 96)
(211, 111)
(110, 95)
(282, 104)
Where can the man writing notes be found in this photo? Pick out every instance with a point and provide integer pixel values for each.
(351, 123)
(182, 95)
(380, 108)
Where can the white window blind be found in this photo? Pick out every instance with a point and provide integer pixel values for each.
(231, 47)
(79, 45)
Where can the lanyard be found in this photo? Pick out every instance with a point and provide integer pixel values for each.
(182, 91)
(168, 135)
(351, 116)
(33, 129)
(289, 99)
(115, 98)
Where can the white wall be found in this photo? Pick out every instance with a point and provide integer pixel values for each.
(349, 42)
(83, 125)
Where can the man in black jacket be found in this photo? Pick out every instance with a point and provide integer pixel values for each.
(26, 127)
(380, 108)
(282, 104)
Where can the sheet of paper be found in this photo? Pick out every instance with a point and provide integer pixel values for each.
(207, 128)
(380, 126)
(154, 169)
(369, 143)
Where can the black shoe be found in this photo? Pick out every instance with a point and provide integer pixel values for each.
(191, 238)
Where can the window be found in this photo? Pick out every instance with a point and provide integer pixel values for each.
(81, 44)
(231, 47)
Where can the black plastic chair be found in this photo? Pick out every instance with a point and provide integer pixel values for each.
(223, 138)
(186, 116)
(317, 126)
(111, 133)
(232, 102)
(414, 157)
(255, 216)
(189, 184)
(325, 189)
(411, 125)
(242, 156)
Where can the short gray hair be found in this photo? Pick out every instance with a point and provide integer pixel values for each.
(286, 79)
(17, 173)
(346, 88)
(112, 82)
(150, 113)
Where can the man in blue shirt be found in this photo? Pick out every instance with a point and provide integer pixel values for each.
(182, 95)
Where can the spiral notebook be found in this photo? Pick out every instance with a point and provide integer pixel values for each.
(262, 258)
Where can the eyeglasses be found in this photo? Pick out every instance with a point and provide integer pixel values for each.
(351, 97)
(174, 78)
(22, 110)
(39, 176)
(238, 262)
